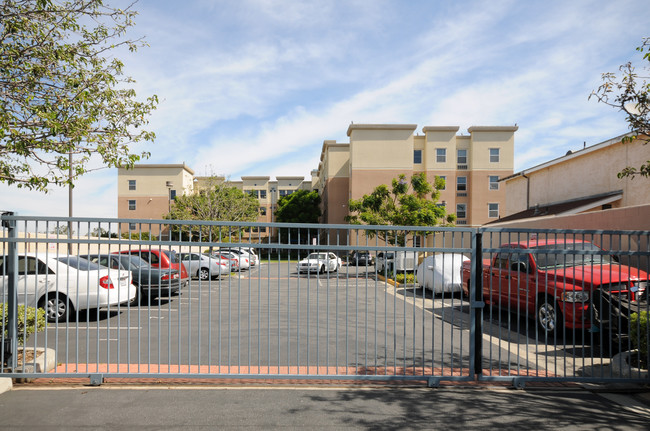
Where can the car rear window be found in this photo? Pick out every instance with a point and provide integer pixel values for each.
(79, 263)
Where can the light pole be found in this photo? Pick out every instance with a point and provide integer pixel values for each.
(169, 186)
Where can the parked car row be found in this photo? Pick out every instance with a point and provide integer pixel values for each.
(64, 284)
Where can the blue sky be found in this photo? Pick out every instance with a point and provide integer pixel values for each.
(254, 87)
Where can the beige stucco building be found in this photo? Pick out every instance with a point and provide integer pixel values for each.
(470, 164)
(146, 192)
(582, 181)
(375, 154)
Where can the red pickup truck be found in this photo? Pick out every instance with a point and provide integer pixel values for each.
(559, 284)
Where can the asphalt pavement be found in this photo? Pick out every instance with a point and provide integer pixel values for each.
(158, 407)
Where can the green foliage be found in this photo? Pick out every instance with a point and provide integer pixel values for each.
(141, 236)
(64, 92)
(103, 233)
(301, 206)
(406, 203)
(630, 93)
(29, 321)
(217, 202)
(61, 230)
(639, 327)
(402, 277)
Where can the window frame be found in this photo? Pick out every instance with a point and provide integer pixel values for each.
(492, 183)
(441, 155)
(464, 211)
(491, 210)
(417, 157)
(459, 184)
(495, 158)
(132, 185)
(458, 157)
(132, 204)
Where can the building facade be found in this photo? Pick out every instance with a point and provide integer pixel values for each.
(146, 192)
(471, 165)
(581, 181)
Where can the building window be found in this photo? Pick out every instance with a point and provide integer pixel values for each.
(263, 229)
(254, 193)
(172, 195)
(462, 157)
(132, 226)
(441, 155)
(494, 182)
(493, 210)
(131, 184)
(461, 210)
(262, 194)
(131, 204)
(263, 211)
(442, 204)
(285, 192)
(461, 184)
(494, 155)
(417, 156)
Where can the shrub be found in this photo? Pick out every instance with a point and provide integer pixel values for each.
(30, 320)
(639, 327)
(409, 279)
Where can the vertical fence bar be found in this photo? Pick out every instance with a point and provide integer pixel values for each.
(476, 309)
(11, 344)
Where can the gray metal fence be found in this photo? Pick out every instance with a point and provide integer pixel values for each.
(197, 308)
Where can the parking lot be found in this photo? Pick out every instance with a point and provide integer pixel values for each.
(273, 320)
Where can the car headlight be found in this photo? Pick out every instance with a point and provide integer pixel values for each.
(575, 296)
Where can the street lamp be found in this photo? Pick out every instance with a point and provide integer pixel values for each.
(169, 186)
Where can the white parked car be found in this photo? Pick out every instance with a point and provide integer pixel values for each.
(65, 284)
(245, 252)
(244, 262)
(203, 266)
(320, 262)
(442, 272)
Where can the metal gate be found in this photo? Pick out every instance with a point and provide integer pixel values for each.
(168, 299)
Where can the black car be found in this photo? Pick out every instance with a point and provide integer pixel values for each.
(360, 258)
(152, 282)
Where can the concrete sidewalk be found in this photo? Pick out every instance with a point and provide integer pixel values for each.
(200, 407)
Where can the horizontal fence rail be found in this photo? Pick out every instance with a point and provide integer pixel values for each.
(124, 298)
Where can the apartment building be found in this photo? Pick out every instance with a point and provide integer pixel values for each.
(471, 165)
(147, 191)
(376, 153)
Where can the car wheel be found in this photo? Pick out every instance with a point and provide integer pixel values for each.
(57, 307)
(549, 316)
(204, 274)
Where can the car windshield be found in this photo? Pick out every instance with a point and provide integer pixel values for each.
(571, 258)
(321, 256)
(79, 263)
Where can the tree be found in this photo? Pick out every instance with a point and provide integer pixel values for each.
(218, 201)
(62, 229)
(301, 206)
(630, 93)
(413, 203)
(62, 96)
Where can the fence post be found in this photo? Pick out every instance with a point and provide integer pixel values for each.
(477, 301)
(11, 265)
